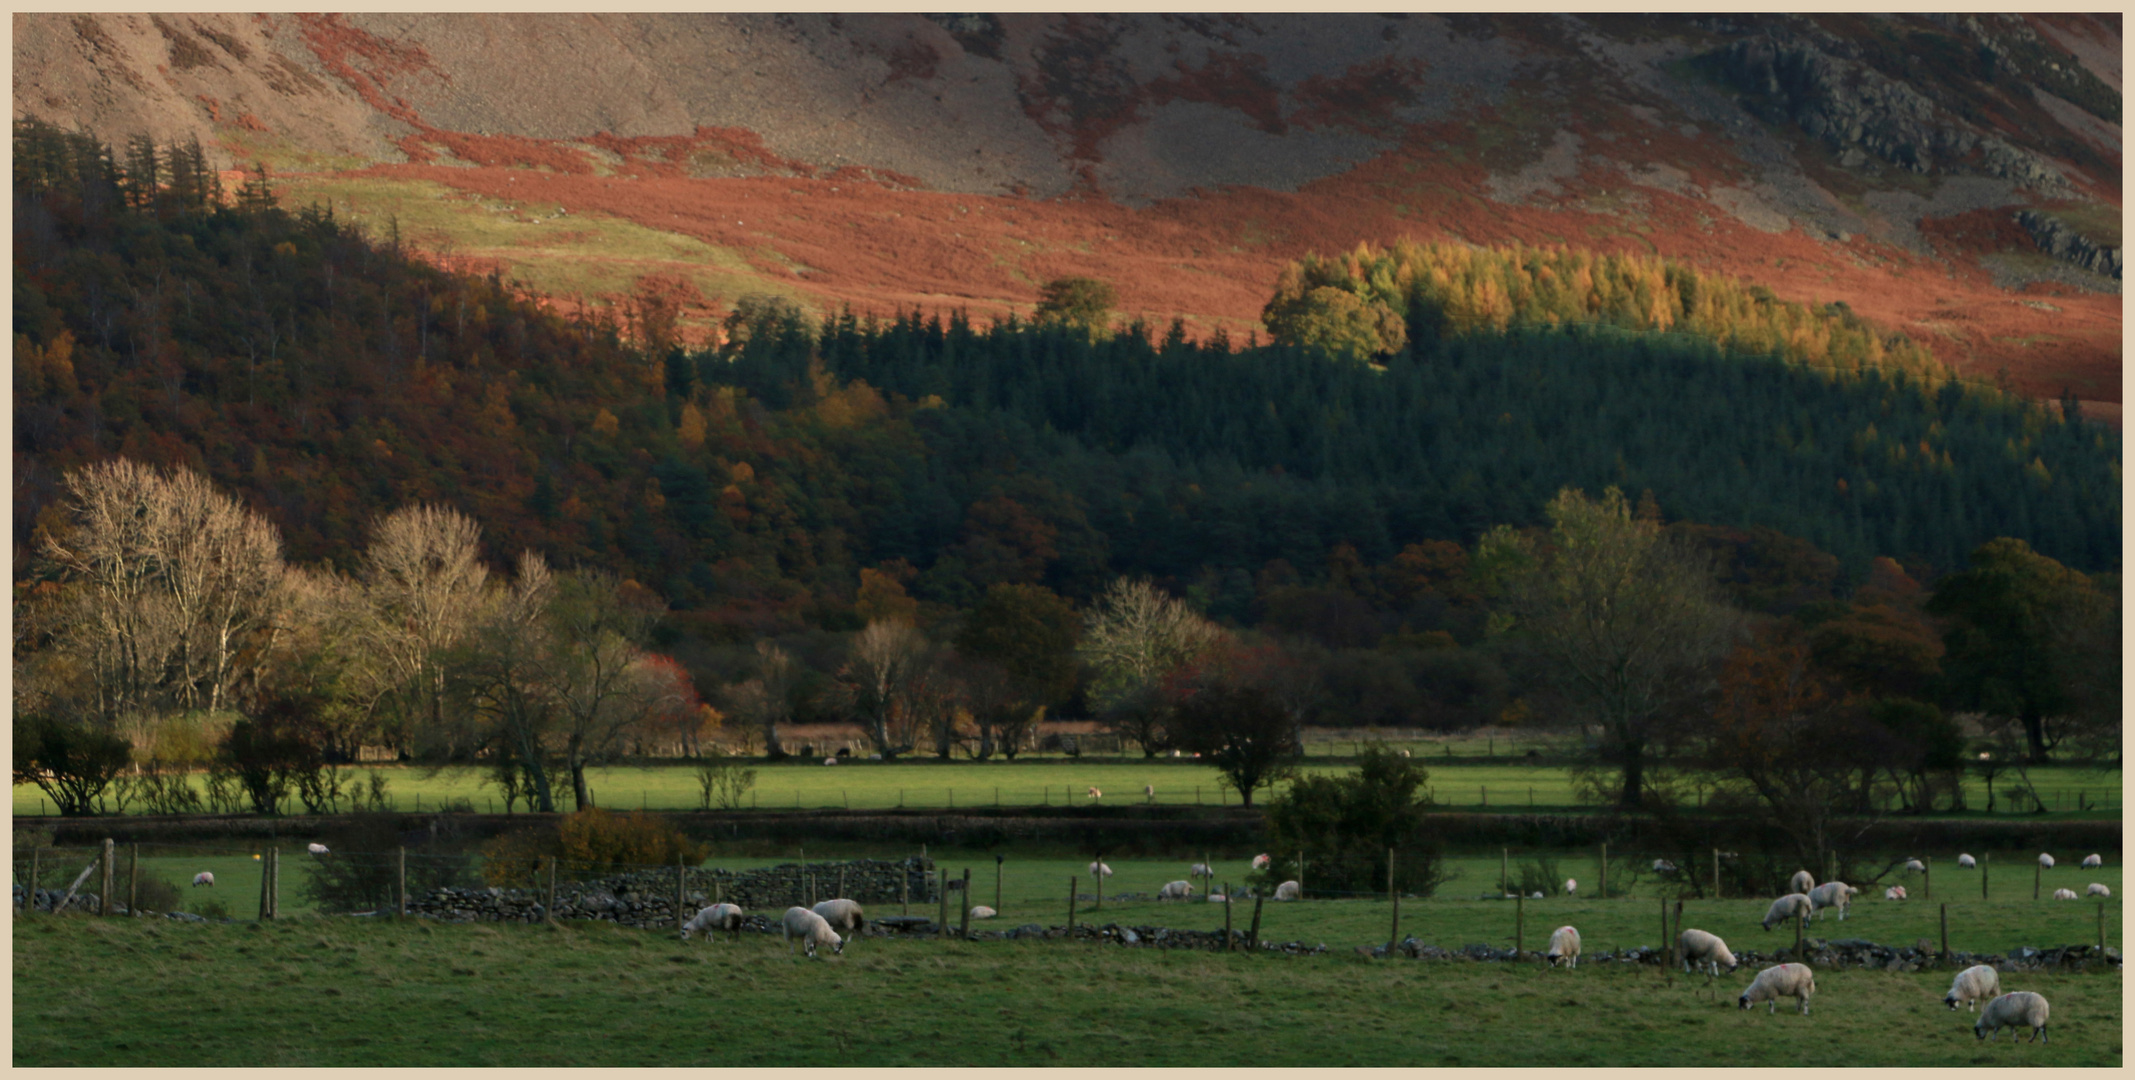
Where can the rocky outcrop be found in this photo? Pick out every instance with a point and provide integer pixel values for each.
(2068, 245)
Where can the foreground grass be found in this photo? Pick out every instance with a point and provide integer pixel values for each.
(317, 992)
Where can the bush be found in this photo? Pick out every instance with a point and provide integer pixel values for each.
(71, 762)
(591, 841)
(1344, 826)
(360, 870)
(723, 781)
(161, 789)
(153, 892)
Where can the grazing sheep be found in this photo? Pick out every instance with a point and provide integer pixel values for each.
(981, 911)
(1564, 947)
(725, 917)
(1149, 792)
(847, 917)
(1700, 949)
(1176, 890)
(1404, 753)
(204, 878)
(1975, 984)
(1218, 898)
(1801, 882)
(1787, 980)
(1537, 895)
(316, 848)
(809, 928)
(830, 761)
(1663, 866)
(1096, 795)
(2064, 894)
(1967, 862)
(1895, 892)
(2098, 890)
(2018, 1010)
(1831, 894)
(1571, 885)
(1792, 905)
(1288, 890)
(1915, 866)
(1260, 862)
(1200, 870)
(1098, 869)
(2046, 861)
(2092, 862)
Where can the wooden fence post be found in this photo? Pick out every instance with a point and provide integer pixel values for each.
(265, 872)
(2101, 926)
(29, 904)
(1664, 931)
(1945, 931)
(1098, 875)
(942, 915)
(1071, 907)
(1227, 946)
(400, 880)
(1675, 953)
(105, 902)
(1519, 925)
(1252, 937)
(904, 892)
(1300, 875)
(841, 881)
(1983, 876)
(1716, 873)
(680, 919)
(2038, 874)
(998, 860)
(133, 881)
(1927, 878)
(963, 930)
(551, 909)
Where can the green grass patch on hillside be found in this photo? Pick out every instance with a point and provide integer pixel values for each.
(312, 992)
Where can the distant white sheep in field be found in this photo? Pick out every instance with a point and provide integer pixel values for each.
(1967, 862)
(830, 761)
(1200, 870)
(2092, 862)
(1098, 870)
(2064, 894)
(1975, 984)
(810, 929)
(1260, 862)
(1831, 894)
(1564, 947)
(1571, 886)
(1701, 949)
(1096, 795)
(1790, 906)
(1288, 890)
(1176, 890)
(1895, 892)
(847, 917)
(1218, 898)
(1786, 980)
(1801, 882)
(1915, 866)
(1149, 792)
(2019, 1010)
(316, 848)
(725, 917)
(2098, 890)
(204, 878)
(981, 911)
(1536, 895)
(1663, 866)
(1404, 753)
(2046, 861)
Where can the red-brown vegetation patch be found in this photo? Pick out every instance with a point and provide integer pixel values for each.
(1364, 96)
(1231, 80)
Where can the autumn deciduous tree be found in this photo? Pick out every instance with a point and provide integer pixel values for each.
(1243, 731)
(1081, 302)
(422, 587)
(884, 668)
(1133, 637)
(1018, 647)
(1790, 733)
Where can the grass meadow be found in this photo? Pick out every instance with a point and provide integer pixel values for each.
(358, 992)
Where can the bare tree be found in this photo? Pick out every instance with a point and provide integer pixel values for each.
(886, 659)
(596, 670)
(766, 700)
(496, 676)
(1133, 637)
(423, 584)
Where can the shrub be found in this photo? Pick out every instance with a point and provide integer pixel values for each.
(1345, 824)
(722, 781)
(153, 892)
(589, 841)
(361, 867)
(71, 762)
(162, 789)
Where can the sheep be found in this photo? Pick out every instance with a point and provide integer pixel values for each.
(1200, 870)
(1218, 898)
(981, 911)
(315, 848)
(2097, 890)
(1096, 795)
(1895, 892)
(1663, 866)
(2092, 862)
(204, 878)
(1792, 905)
(1571, 886)
(1288, 890)
(1700, 949)
(1404, 753)
(1786, 980)
(1831, 894)
(809, 928)
(1149, 792)
(2045, 861)
(1564, 947)
(725, 917)
(845, 916)
(1801, 882)
(1260, 862)
(1536, 895)
(2064, 894)
(1975, 984)
(1967, 862)
(2017, 1010)
(830, 761)
(1915, 866)
(1099, 869)
(1176, 890)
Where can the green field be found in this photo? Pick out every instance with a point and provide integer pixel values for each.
(347, 992)
(1033, 782)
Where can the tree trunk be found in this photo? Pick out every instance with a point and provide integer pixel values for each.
(772, 749)
(578, 781)
(2035, 734)
(1632, 751)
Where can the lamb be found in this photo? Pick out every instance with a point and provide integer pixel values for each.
(1218, 898)
(1915, 866)
(1099, 869)
(2017, 1010)
(2046, 861)
(1700, 949)
(1149, 792)
(1663, 866)
(1836, 894)
(2098, 890)
(1967, 862)
(830, 761)
(1975, 984)
(2065, 894)
(2092, 862)
(1175, 890)
(1260, 862)
(809, 928)
(1288, 890)
(1790, 906)
(725, 917)
(981, 911)
(1096, 795)
(1801, 882)
(1564, 947)
(1787, 980)
(204, 878)
(845, 916)
(1571, 886)
(1895, 892)
(316, 848)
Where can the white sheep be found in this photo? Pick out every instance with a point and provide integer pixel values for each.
(1571, 886)
(204, 878)
(830, 761)
(1700, 949)
(847, 917)
(1915, 866)
(2046, 861)
(1200, 870)
(981, 911)
(1149, 792)
(1966, 861)
(1975, 984)
(725, 917)
(810, 929)
(1801, 882)
(1564, 947)
(1260, 862)
(1176, 890)
(1786, 980)
(1831, 894)
(1536, 895)
(2064, 894)
(1790, 906)
(1663, 866)
(1218, 898)
(2098, 890)
(1096, 795)
(2017, 1010)
(1895, 892)
(1288, 890)
(1098, 869)
(316, 848)
(2092, 862)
